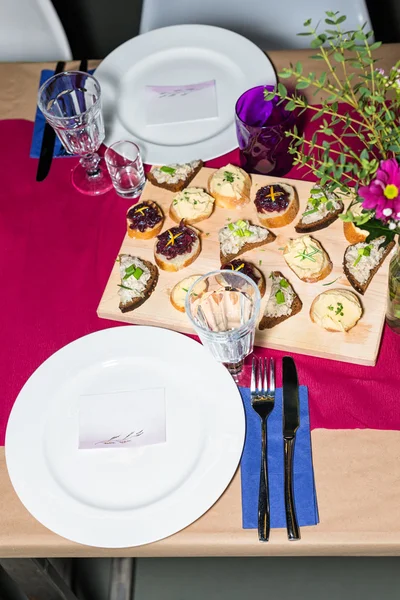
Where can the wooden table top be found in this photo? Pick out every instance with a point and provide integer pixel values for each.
(356, 472)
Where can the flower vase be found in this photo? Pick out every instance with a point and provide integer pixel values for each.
(393, 308)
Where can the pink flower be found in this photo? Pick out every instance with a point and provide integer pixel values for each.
(383, 193)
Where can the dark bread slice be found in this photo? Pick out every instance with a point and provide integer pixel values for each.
(180, 185)
(321, 224)
(151, 284)
(225, 258)
(262, 286)
(362, 288)
(269, 322)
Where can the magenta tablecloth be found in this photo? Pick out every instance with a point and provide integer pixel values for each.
(57, 248)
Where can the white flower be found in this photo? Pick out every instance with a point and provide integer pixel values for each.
(392, 225)
(398, 215)
(387, 212)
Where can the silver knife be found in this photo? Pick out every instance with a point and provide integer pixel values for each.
(291, 422)
(83, 66)
(48, 141)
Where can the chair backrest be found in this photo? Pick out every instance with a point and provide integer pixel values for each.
(271, 24)
(31, 31)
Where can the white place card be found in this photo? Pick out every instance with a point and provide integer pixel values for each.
(126, 419)
(180, 103)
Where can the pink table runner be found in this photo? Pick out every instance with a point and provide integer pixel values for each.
(57, 249)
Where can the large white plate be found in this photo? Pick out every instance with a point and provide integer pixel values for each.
(179, 55)
(125, 497)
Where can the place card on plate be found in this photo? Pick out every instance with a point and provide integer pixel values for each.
(125, 419)
(180, 103)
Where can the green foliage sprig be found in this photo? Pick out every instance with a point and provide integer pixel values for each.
(372, 98)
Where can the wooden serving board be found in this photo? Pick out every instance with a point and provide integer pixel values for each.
(297, 334)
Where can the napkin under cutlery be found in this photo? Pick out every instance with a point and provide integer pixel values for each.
(304, 485)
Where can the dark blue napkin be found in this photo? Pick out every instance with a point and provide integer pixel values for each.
(40, 122)
(304, 486)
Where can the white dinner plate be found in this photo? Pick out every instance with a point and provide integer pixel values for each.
(117, 498)
(179, 55)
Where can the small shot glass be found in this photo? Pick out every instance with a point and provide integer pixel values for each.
(125, 166)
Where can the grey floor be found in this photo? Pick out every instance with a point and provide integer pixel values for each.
(250, 578)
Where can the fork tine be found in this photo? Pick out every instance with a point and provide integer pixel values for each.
(271, 376)
(265, 380)
(260, 375)
(253, 375)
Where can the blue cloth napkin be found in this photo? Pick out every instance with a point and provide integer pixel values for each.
(40, 122)
(304, 486)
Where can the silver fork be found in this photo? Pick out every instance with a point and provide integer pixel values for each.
(263, 401)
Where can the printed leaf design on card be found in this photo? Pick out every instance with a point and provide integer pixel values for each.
(124, 440)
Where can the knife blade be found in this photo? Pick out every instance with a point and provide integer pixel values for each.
(83, 65)
(291, 422)
(48, 141)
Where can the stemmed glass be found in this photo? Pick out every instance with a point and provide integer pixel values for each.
(223, 308)
(71, 104)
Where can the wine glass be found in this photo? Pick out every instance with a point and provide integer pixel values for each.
(71, 104)
(223, 308)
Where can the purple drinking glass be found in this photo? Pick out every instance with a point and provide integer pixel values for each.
(260, 128)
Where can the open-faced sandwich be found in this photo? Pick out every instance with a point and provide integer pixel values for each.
(277, 204)
(322, 209)
(192, 204)
(307, 258)
(336, 310)
(144, 220)
(230, 186)
(362, 261)
(177, 248)
(239, 237)
(138, 279)
(354, 233)
(180, 290)
(174, 177)
(247, 268)
(283, 302)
